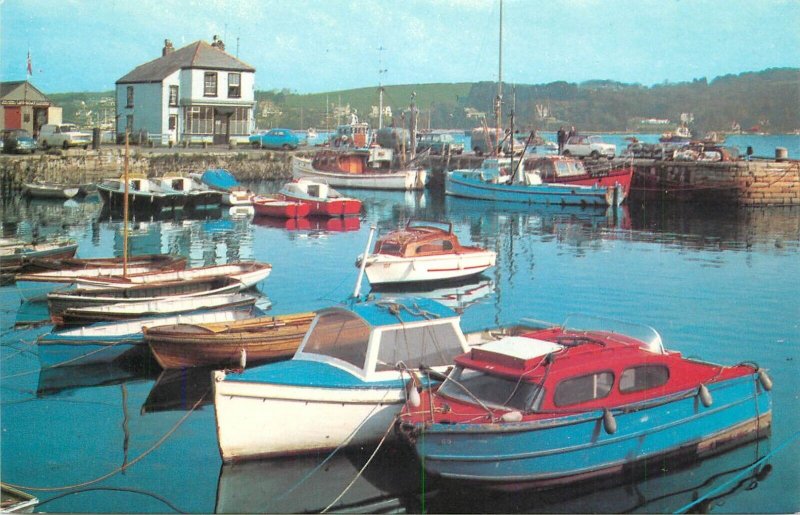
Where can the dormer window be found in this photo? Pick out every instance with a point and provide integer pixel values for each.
(210, 84)
(234, 85)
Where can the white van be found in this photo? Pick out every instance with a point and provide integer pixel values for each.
(63, 135)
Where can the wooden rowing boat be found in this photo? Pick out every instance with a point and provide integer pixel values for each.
(228, 343)
(35, 264)
(16, 501)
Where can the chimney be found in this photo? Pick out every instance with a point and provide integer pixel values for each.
(168, 48)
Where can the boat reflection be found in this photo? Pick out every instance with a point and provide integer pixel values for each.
(310, 224)
(136, 364)
(666, 486)
(458, 296)
(180, 390)
(305, 484)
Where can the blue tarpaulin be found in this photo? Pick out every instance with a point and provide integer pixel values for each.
(220, 179)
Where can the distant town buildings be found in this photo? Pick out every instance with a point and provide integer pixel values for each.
(25, 107)
(195, 94)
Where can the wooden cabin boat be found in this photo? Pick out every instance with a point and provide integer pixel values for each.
(369, 168)
(164, 306)
(345, 384)
(555, 169)
(16, 501)
(249, 273)
(423, 251)
(241, 343)
(36, 286)
(50, 191)
(504, 179)
(144, 195)
(560, 404)
(321, 198)
(58, 302)
(277, 208)
(197, 195)
(105, 341)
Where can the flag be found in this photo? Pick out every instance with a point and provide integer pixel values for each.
(30, 67)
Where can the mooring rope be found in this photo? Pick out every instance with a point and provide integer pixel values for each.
(113, 489)
(67, 362)
(124, 467)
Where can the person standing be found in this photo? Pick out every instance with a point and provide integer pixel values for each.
(561, 137)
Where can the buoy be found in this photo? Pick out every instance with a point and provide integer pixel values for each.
(242, 359)
(705, 396)
(765, 380)
(413, 395)
(511, 416)
(609, 422)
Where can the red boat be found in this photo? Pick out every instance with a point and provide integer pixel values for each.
(568, 170)
(270, 206)
(321, 198)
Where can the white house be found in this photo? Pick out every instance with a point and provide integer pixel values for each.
(196, 94)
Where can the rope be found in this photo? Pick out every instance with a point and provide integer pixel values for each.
(738, 476)
(63, 363)
(114, 489)
(122, 468)
(360, 472)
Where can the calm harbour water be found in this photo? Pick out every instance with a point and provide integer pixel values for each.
(718, 284)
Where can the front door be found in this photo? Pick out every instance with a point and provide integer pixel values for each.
(13, 117)
(222, 123)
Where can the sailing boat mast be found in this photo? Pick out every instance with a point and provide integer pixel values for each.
(498, 106)
(381, 71)
(125, 213)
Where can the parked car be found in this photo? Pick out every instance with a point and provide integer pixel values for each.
(275, 138)
(18, 141)
(63, 135)
(589, 146)
(439, 144)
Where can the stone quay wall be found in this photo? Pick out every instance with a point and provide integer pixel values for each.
(748, 183)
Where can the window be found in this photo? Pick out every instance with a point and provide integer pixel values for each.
(130, 97)
(494, 391)
(199, 120)
(173, 95)
(240, 121)
(173, 122)
(340, 335)
(644, 377)
(431, 345)
(129, 123)
(583, 388)
(210, 84)
(234, 85)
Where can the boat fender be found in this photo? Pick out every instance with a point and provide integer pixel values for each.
(511, 416)
(764, 379)
(413, 395)
(705, 396)
(609, 422)
(242, 358)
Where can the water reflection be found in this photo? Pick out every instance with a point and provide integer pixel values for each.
(310, 224)
(180, 390)
(458, 296)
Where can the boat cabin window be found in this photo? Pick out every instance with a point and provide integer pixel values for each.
(494, 391)
(434, 246)
(136, 185)
(431, 345)
(177, 184)
(565, 169)
(389, 248)
(339, 335)
(313, 190)
(643, 377)
(583, 389)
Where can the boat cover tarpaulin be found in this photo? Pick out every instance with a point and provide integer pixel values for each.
(220, 179)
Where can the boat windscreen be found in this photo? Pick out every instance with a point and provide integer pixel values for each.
(431, 345)
(493, 391)
(340, 335)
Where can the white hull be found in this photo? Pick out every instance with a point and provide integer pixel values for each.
(398, 180)
(260, 419)
(248, 279)
(384, 269)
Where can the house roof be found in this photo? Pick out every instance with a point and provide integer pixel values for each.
(195, 55)
(7, 88)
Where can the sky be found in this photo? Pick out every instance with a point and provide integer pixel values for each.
(310, 46)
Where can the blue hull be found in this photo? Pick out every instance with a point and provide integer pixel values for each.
(564, 449)
(470, 185)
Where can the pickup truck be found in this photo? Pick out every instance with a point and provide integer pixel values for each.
(63, 135)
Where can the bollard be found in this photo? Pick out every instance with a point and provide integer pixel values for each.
(781, 154)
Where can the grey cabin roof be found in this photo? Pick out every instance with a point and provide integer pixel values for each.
(195, 55)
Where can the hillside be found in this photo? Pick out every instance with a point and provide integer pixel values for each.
(768, 100)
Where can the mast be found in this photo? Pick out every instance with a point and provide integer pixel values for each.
(413, 126)
(381, 71)
(498, 107)
(125, 213)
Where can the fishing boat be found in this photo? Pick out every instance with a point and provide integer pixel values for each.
(16, 501)
(58, 302)
(369, 168)
(197, 195)
(15, 254)
(321, 198)
(423, 251)
(504, 179)
(345, 384)
(241, 343)
(163, 306)
(49, 191)
(555, 169)
(105, 341)
(249, 273)
(36, 286)
(560, 404)
(277, 208)
(144, 195)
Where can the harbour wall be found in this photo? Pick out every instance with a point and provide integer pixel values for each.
(748, 183)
